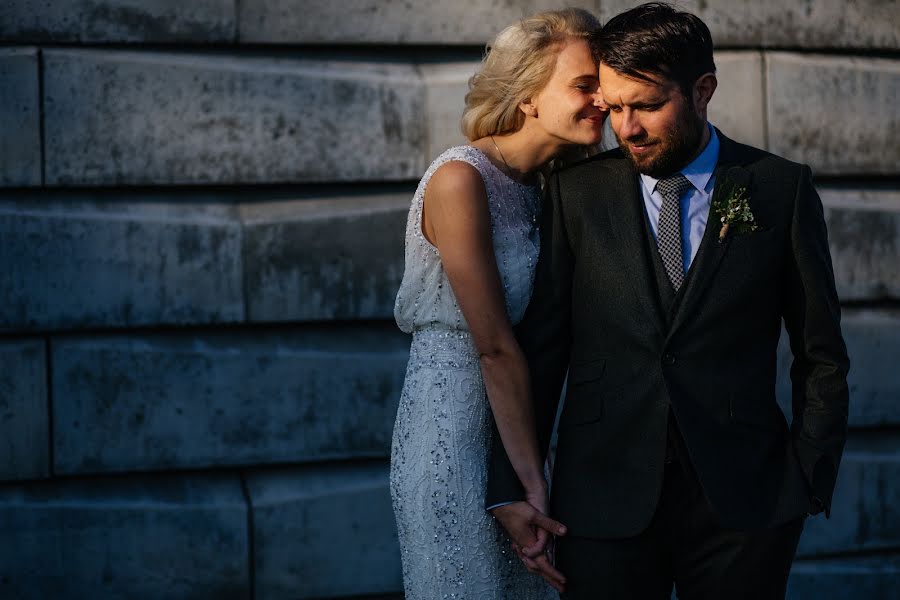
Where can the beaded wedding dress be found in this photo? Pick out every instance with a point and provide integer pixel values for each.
(451, 547)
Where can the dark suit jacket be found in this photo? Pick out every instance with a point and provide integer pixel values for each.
(599, 311)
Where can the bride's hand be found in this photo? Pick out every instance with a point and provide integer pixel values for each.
(528, 528)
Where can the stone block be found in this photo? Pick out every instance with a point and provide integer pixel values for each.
(115, 118)
(90, 260)
(136, 538)
(737, 105)
(24, 417)
(149, 21)
(324, 532)
(864, 235)
(865, 510)
(873, 344)
(338, 258)
(20, 114)
(774, 23)
(851, 578)
(385, 21)
(837, 114)
(446, 86)
(191, 401)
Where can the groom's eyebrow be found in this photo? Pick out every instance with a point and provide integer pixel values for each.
(648, 104)
(638, 105)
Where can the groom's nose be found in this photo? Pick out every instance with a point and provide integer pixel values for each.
(629, 125)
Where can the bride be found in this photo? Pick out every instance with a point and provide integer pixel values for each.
(471, 250)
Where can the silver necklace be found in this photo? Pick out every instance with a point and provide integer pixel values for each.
(503, 158)
(525, 204)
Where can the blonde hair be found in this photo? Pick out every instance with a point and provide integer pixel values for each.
(517, 65)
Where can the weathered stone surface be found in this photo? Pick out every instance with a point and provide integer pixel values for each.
(873, 344)
(737, 105)
(864, 235)
(813, 24)
(837, 114)
(385, 21)
(774, 23)
(445, 92)
(93, 261)
(189, 401)
(865, 510)
(20, 114)
(876, 578)
(135, 538)
(118, 21)
(324, 532)
(339, 258)
(157, 118)
(24, 451)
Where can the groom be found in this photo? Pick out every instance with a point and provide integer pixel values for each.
(667, 267)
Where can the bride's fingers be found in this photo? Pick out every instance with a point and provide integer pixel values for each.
(543, 566)
(542, 538)
(549, 572)
(530, 564)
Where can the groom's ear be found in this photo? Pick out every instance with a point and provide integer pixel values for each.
(703, 91)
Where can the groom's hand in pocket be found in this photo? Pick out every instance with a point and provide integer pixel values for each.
(531, 532)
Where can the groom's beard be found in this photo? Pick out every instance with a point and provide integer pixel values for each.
(674, 150)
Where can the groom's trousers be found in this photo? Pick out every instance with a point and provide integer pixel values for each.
(683, 545)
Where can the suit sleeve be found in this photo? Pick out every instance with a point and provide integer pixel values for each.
(544, 335)
(819, 372)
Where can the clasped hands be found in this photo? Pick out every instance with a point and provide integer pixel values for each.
(532, 533)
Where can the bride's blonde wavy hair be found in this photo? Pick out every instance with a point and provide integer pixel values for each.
(517, 65)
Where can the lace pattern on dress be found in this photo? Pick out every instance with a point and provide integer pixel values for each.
(451, 548)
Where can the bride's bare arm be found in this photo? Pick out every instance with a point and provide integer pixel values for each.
(457, 221)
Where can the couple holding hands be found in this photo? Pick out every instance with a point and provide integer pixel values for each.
(654, 279)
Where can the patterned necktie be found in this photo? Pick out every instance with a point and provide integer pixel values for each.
(668, 235)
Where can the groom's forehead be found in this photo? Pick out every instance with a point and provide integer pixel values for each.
(614, 83)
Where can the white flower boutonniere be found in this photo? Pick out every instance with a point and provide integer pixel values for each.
(732, 205)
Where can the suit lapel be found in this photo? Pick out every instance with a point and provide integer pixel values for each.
(711, 251)
(627, 221)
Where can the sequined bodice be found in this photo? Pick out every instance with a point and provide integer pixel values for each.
(425, 298)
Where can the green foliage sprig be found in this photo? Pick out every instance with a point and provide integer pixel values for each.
(732, 208)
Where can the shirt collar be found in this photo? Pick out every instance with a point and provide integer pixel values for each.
(700, 170)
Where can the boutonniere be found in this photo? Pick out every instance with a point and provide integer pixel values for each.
(731, 205)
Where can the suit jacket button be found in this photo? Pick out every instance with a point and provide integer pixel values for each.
(668, 359)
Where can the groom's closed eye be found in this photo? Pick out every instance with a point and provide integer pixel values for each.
(648, 106)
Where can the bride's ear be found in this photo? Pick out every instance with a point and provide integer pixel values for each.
(529, 108)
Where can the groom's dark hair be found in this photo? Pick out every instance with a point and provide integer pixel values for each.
(656, 40)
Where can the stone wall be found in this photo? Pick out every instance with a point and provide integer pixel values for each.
(202, 208)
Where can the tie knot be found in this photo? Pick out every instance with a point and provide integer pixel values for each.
(674, 185)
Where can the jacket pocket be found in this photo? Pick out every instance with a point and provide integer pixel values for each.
(584, 394)
(584, 372)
